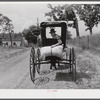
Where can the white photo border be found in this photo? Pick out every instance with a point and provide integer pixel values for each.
(51, 93)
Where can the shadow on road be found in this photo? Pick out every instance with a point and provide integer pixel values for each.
(62, 67)
(63, 74)
(41, 80)
(60, 76)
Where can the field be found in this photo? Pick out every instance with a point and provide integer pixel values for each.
(87, 42)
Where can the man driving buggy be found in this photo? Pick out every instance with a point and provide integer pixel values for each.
(55, 36)
(59, 42)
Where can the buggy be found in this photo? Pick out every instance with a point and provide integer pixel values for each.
(52, 56)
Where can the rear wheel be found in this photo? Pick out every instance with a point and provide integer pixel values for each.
(70, 60)
(73, 64)
(32, 64)
(38, 61)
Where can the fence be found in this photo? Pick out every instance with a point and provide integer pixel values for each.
(86, 42)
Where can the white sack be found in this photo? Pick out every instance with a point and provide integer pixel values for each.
(55, 51)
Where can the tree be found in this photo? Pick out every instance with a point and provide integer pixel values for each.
(31, 34)
(7, 26)
(59, 13)
(89, 13)
(63, 13)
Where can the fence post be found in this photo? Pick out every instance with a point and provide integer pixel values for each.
(88, 40)
(79, 41)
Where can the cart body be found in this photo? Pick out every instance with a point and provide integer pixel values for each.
(52, 55)
(48, 41)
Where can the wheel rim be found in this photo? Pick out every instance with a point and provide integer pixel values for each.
(38, 61)
(66, 55)
(74, 64)
(32, 65)
(70, 59)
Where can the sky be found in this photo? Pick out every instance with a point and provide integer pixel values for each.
(24, 14)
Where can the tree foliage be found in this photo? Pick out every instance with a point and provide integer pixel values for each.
(56, 13)
(63, 13)
(59, 13)
(31, 34)
(89, 13)
(7, 26)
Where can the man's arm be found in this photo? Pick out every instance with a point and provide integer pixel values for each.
(59, 43)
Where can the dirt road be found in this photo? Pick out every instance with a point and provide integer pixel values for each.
(14, 73)
(14, 70)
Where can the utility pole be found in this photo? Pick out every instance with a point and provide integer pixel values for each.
(37, 23)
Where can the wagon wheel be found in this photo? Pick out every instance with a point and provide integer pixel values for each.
(73, 64)
(70, 60)
(32, 65)
(38, 61)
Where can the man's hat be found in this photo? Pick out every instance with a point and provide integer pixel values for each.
(52, 30)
